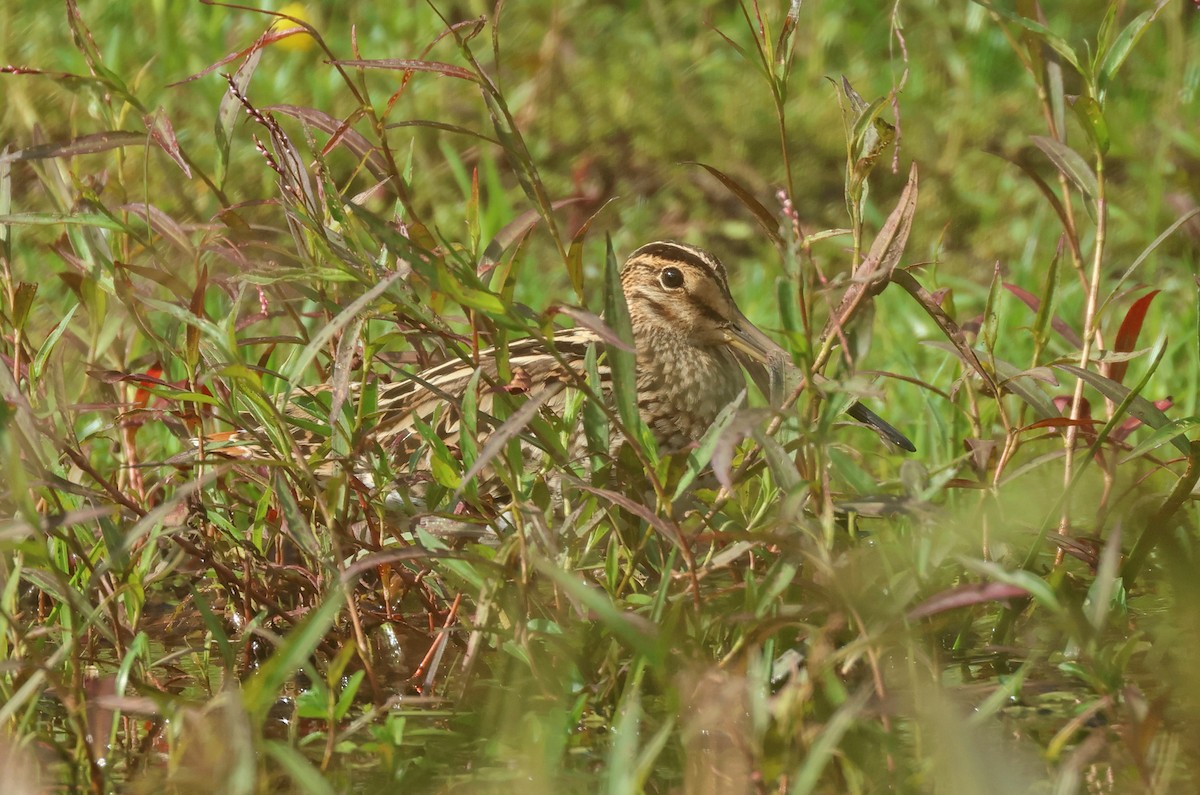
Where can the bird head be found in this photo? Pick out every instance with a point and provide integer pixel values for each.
(673, 289)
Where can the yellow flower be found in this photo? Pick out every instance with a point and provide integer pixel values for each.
(298, 42)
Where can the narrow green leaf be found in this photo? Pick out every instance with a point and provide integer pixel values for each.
(622, 363)
(1146, 252)
(1045, 311)
(635, 632)
(626, 739)
(1139, 407)
(1091, 116)
(39, 359)
(1052, 40)
(511, 428)
(181, 395)
(296, 368)
(1010, 689)
(595, 419)
(468, 420)
(699, 458)
(1126, 40)
(1167, 433)
(229, 109)
(1106, 33)
(825, 747)
(867, 138)
(69, 219)
(648, 757)
(1106, 581)
(293, 652)
(346, 698)
(1071, 164)
(216, 628)
(303, 773)
(83, 145)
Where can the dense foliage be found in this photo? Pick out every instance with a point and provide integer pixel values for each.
(982, 220)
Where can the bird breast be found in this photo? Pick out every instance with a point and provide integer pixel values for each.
(682, 387)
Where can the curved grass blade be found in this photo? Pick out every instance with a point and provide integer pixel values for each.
(621, 362)
(1139, 407)
(766, 219)
(1071, 164)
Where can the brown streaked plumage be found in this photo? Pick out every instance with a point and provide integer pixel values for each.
(692, 344)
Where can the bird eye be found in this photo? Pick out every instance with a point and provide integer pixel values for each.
(671, 278)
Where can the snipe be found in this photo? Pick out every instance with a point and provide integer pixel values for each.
(692, 345)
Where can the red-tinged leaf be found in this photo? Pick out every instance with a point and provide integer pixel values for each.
(592, 323)
(152, 377)
(173, 283)
(790, 23)
(270, 37)
(720, 445)
(411, 65)
(1063, 404)
(117, 377)
(161, 223)
(83, 145)
(766, 219)
(966, 596)
(1033, 302)
(665, 527)
(439, 125)
(163, 134)
(142, 396)
(1127, 335)
(10, 69)
(342, 134)
(982, 451)
(1085, 549)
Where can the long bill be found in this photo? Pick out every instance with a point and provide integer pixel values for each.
(773, 361)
